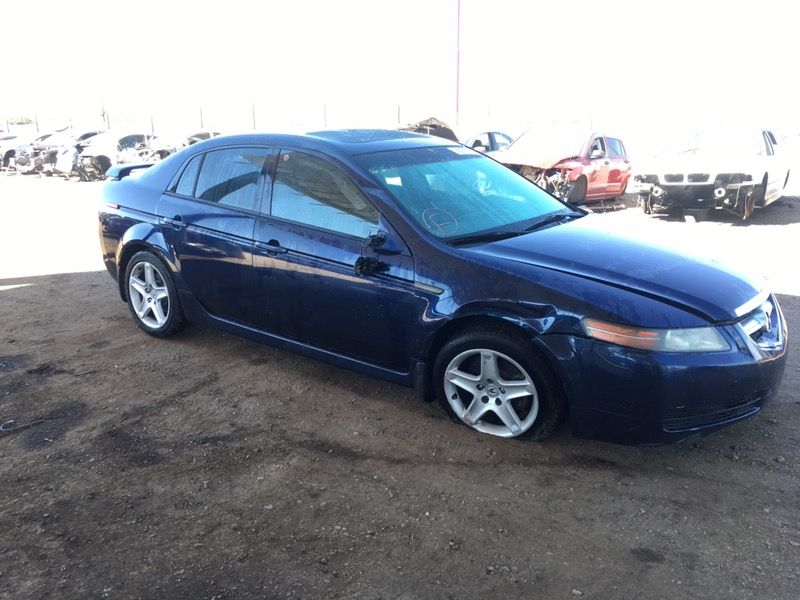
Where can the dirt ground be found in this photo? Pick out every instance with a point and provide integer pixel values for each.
(210, 467)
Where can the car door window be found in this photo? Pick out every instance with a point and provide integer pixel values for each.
(313, 191)
(482, 141)
(615, 148)
(232, 177)
(598, 145)
(501, 140)
(130, 141)
(183, 184)
(768, 143)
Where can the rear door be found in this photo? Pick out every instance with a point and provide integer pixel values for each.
(307, 247)
(209, 215)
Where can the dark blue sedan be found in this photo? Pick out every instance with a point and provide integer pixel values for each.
(418, 260)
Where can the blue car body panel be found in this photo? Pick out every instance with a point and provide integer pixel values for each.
(295, 287)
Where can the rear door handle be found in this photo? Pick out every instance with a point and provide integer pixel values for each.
(176, 222)
(273, 247)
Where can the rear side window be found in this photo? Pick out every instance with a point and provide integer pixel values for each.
(231, 177)
(185, 185)
(311, 190)
(615, 148)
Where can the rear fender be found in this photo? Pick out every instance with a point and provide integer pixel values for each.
(145, 237)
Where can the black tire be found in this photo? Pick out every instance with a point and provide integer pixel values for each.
(546, 405)
(102, 164)
(577, 195)
(145, 304)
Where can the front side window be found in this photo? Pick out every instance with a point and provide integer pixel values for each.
(598, 146)
(482, 142)
(232, 177)
(615, 148)
(453, 192)
(501, 140)
(313, 191)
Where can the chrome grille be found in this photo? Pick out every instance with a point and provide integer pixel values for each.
(698, 177)
(673, 178)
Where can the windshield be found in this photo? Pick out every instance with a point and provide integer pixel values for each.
(454, 192)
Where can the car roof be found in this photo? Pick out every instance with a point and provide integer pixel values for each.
(350, 142)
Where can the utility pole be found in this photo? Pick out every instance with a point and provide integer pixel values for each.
(458, 61)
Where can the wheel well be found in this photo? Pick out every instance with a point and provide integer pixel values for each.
(457, 326)
(122, 267)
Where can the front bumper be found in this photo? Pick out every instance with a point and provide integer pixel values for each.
(632, 396)
(723, 192)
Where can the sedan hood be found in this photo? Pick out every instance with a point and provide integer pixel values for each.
(583, 248)
(543, 149)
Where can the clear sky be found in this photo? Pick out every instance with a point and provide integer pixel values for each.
(633, 68)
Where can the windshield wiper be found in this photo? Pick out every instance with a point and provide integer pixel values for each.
(550, 219)
(488, 236)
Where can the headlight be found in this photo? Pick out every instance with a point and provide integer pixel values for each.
(692, 339)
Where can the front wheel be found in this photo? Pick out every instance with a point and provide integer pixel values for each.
(493, 382)
(152, 296)
(577, 195)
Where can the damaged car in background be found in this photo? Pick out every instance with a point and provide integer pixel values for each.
(573, 165)
(110, 148)
(53, 153)
(19, 152)
(165, 145)
(731, 171)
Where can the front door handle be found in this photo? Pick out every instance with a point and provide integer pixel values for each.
(272, 247)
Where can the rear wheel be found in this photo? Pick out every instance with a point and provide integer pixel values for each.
(494, 382)
(152, 296)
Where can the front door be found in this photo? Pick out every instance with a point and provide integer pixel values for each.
(597, 174)
(306, 253)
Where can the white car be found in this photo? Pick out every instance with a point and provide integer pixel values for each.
(112, 148)
(723, 171)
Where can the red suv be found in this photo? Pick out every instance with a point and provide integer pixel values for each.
(578, 168)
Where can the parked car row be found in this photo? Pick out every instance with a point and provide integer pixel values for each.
(87, 155)
(736, 171)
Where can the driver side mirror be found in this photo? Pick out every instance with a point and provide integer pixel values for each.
(597, 153)
(381, 243)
